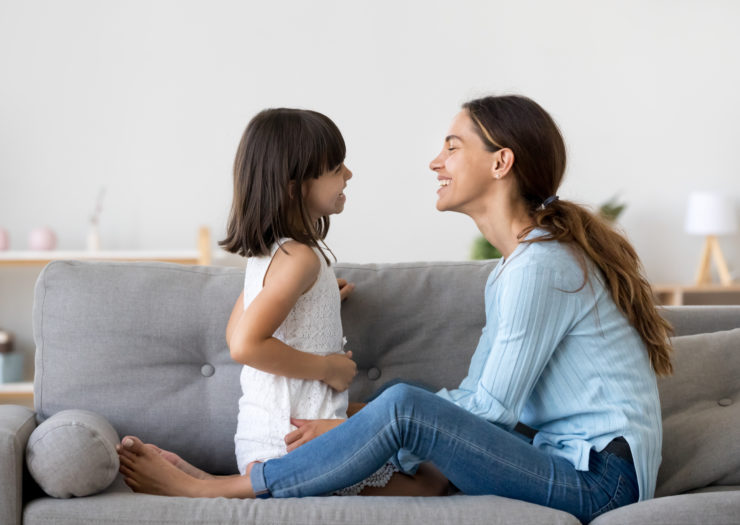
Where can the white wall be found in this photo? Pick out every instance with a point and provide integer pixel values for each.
(149, 99)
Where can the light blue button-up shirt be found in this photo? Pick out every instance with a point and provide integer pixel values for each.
(566, 363)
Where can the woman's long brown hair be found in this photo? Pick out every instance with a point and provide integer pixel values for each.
(522, 125)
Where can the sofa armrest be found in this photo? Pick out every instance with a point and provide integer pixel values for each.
(16, 425)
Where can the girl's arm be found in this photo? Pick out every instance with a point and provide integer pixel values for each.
(236, 314)
(251, 341)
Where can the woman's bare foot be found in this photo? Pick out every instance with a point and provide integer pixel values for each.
(177, 461)
(146, 469)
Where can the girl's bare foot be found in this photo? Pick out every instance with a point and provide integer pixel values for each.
(180, 463)
(146, 470)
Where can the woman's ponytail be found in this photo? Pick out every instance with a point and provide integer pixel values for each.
(620, 267)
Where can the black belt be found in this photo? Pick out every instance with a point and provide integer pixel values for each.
(620, 448)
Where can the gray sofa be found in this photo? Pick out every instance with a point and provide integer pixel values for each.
(143, 345)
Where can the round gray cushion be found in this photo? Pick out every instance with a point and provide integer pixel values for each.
(73, 453)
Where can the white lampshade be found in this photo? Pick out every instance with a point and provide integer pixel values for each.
(710, 214)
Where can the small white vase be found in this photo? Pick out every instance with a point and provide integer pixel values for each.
(93, 238)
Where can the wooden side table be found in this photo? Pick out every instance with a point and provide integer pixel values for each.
(707, 294)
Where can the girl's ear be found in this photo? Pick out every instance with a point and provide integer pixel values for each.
(502, 162)
(291, 189)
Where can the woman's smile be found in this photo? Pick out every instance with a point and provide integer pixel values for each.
(443, 183)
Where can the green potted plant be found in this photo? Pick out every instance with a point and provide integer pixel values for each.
(482, 249)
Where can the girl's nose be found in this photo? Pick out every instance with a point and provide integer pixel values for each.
(347, 173)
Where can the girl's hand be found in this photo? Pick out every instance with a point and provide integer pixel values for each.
(308, 429)
(345, 288)
(340, 369)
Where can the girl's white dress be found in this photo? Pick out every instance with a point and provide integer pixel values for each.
(268, 401)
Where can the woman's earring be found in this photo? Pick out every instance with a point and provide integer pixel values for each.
(498, 175)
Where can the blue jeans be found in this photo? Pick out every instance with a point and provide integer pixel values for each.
(477, 456)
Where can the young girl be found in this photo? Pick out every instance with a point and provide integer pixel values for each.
(285, 328)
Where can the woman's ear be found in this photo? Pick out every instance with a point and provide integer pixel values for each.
(503, 160)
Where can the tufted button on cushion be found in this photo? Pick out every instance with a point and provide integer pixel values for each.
(724, 402)
(207, 370)
(373, 373)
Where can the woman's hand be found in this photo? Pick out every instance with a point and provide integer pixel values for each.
(345, 288)
(308, 429)
(340, 369)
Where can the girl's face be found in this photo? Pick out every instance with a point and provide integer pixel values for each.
(463, 167)
(325, 195)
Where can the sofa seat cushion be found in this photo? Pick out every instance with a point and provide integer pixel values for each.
(118, 505)
(717, 508)
(701, 407)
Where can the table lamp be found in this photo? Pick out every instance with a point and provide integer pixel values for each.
(711, 214)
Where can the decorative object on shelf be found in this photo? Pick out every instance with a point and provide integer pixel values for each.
(711, 214)
(482, 249)
(11, 363)
(93, 233)
(6, 342)
(4, 239)
(42, 239)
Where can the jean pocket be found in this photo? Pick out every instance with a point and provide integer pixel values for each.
(624, 494)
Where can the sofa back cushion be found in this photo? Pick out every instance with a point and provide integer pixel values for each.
(419, 322)
(142, 344)
(700, 403)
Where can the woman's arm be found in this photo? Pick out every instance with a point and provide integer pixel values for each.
(251, 341)
(309, 429)
(527, 316)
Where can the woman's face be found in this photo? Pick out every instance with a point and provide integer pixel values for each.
(463, 168)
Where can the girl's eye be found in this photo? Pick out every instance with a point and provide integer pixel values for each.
(451, 148)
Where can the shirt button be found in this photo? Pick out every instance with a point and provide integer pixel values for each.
(207, 370)
(373, 373)
(724, 402)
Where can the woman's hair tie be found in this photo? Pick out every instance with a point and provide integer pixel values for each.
(549, 201)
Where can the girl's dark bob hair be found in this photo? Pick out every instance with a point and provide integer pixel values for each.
(279, 150)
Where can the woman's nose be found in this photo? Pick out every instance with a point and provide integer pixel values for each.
(347, 173)
(436, 163)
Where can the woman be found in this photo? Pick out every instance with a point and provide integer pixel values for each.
(571, 348)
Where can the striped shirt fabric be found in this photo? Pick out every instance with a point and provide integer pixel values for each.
(561, 358)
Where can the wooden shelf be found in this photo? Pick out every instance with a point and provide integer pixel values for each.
(709, 294)
(16, 394)
(200, 256)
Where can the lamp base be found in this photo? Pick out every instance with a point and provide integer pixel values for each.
(712, 251)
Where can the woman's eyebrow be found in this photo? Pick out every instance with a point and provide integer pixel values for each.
(451, 137)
